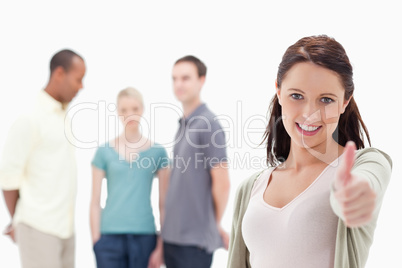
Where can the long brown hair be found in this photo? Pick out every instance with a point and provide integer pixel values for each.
(328, 53)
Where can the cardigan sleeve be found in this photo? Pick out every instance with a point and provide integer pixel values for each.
(238, 255)
(353, 244)
(374, 166)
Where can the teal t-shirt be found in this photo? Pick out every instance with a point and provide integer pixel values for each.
(128, 204)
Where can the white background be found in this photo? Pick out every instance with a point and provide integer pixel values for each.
(136, 44)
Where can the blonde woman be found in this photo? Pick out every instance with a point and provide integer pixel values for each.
(124, 232)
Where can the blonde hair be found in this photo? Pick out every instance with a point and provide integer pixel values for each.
(131, 92)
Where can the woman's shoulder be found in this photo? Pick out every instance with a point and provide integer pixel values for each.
(156, 146)
(156, 149)
(103, 146)
(243, 194)
(246, 185)
(110, 144)
(371, 154)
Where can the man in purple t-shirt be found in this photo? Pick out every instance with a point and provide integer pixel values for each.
(199, 183)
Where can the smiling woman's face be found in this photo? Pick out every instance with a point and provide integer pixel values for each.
(312, 100)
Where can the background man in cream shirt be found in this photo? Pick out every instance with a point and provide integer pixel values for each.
(38, 171)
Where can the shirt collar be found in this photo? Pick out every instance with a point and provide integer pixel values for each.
(48, 103)
(201, 108)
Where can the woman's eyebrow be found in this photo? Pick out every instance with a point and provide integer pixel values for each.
(296, 89)
(322, 94)
(329, 94)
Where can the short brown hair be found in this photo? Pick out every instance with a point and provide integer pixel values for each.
(201, 68)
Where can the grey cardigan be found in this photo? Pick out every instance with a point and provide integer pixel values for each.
(352, 244)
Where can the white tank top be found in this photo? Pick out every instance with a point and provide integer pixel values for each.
(301, 234)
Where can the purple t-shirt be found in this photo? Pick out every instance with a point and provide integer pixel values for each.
(189, 208)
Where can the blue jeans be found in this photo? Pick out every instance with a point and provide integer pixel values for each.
(177, 256)
(124, 250)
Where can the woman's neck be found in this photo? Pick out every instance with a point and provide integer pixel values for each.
(131, 136)
(305, 157)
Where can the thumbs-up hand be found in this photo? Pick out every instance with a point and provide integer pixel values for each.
(354, 194)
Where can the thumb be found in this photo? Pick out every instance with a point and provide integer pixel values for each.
(347, 164)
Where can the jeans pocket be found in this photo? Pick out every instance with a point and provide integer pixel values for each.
(97, 242)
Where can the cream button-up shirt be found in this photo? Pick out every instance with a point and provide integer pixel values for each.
(39, 160)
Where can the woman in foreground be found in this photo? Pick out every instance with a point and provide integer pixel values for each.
(317, 204)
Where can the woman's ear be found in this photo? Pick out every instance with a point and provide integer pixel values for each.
(278, 92)
(345, 104)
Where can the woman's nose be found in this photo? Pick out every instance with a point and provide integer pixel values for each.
(311, 114)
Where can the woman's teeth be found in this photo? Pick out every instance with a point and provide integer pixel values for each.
(307, 128)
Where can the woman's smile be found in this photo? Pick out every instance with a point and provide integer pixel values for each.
(308, 130)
